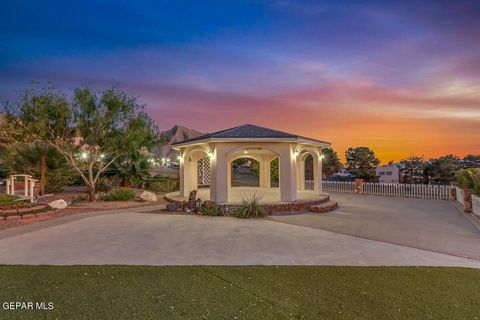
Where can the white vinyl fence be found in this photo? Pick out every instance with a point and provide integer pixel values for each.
(460, 195)
(424, 191)
(476, 204)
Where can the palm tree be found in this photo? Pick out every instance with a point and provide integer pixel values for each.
(132, 169)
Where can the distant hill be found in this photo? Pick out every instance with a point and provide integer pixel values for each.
(176, 134)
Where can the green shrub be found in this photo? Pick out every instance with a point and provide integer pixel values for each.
(213, 211)
(250, 207)
(9, 201)
(119, 194)
(469, 179)
(103, 185)
(164, 185)
(79, 198)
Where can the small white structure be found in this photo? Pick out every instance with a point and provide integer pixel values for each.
(388, 174)
(29, 184)
(220, 148)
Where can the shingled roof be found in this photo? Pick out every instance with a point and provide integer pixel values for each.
(247, 131)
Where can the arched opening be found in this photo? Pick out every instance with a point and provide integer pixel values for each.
(203, 172)
(308, 171)
(190, 177)
(245, 172)
(274, 173)
(249, 172)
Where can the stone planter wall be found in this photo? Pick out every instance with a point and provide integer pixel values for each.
(291, 207)
(464, 197)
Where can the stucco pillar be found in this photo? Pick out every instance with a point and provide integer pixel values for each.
(219, 175)
(301, 173)
(25, 186)
(288, 174)
(183, 184)
(32, 185)
(12, 186)
(317, 173)
(8, 186)
(188, 175)
(264, 173)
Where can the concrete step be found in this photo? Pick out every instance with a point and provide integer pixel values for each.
(324, 207)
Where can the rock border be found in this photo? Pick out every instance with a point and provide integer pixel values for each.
(294, 207)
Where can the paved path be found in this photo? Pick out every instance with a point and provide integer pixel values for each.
(434, 225)
(132, 237)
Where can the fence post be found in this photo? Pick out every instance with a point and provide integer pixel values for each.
(358, 185)
(453, 192)
(467, 200)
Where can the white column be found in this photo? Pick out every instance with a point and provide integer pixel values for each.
(8, 186)
(219, 175)
(25, 186)
(288, 174)
(317, 173)
(32, 184)
(183, 188)
(298, 173)
(12, 186)
(264, 167)
(301, 173)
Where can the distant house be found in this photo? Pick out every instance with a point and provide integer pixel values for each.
(388, 174)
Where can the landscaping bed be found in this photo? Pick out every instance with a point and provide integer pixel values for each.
(12, 209)
(285, 292)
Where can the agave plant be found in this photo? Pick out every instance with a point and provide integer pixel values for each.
(250, 207)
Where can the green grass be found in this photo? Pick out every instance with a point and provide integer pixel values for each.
(140, 292)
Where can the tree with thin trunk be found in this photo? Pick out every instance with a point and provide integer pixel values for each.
(91, 130)
(361, 161)
(331, 162)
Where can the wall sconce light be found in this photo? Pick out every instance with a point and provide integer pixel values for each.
(245, 151)
(211, 154)
(322, 156)
(180, 158)
(296, 152)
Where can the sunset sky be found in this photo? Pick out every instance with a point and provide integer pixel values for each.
(401, 78)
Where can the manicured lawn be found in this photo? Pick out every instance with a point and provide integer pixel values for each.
(138, 292)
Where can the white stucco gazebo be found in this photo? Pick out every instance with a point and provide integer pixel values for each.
(219, 149)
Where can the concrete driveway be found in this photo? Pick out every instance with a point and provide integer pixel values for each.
(434, 225)
(138, 238)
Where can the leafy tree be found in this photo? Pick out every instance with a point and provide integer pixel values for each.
(42, 99)
(413, 170)
(6, 143)
(331, 162)
(469, 179)
(27, 158)
(89, 129)
(361, 162)
(443, 169)
(471, 161)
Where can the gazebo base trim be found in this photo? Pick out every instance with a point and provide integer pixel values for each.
(272, 207)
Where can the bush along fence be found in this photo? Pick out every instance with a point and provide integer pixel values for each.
(441, 192)
(467, 190)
